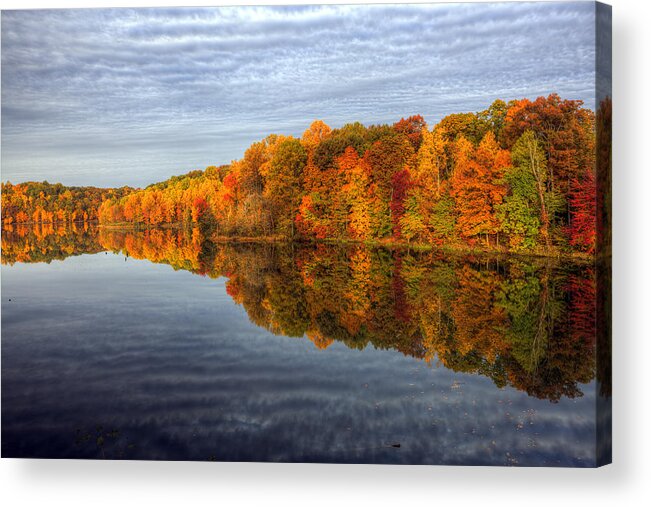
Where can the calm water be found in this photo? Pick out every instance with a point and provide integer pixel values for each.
(160, 345)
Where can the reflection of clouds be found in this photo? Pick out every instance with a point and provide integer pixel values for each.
(165, 358)
(91, 94)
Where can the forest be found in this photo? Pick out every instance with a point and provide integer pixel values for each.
(48, 203)
(519, 176)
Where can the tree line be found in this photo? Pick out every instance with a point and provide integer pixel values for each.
(518, 176)
(54, 203)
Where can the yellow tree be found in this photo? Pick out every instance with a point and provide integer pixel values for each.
(355, 193)
(477, 186)
(316, 132)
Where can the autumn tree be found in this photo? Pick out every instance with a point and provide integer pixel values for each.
(317, 132)
(429, 213)
(283, 184)
(43, 202)
(530, 174)
(583, 209)
(412, 127)
(401, 185)
(565, 130)
(431, 161)
(250, 178)
(355, 194)
(386, 159)
(476, 185)
(525, 169)
(525, 206)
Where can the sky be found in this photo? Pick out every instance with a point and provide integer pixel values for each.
(112, 97)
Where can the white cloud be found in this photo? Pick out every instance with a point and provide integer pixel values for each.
(122, 96)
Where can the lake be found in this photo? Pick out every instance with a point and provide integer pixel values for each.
(161, 345)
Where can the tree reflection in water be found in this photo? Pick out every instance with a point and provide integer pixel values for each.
(527, 323)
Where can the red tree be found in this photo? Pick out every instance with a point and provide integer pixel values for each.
(583, 210)
(412, 127)
(401, 184)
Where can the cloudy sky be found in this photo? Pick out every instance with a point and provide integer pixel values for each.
(128, 97)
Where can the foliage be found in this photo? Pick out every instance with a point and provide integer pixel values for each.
(33, 202)
(518, 176)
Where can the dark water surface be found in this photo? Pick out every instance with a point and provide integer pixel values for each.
(160, 345)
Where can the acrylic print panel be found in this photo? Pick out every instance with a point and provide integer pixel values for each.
(343, 234)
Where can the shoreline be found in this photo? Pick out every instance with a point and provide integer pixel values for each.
(449, 248)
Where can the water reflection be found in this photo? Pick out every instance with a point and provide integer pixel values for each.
(47, 242)
(527, 323)
(522, 323)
